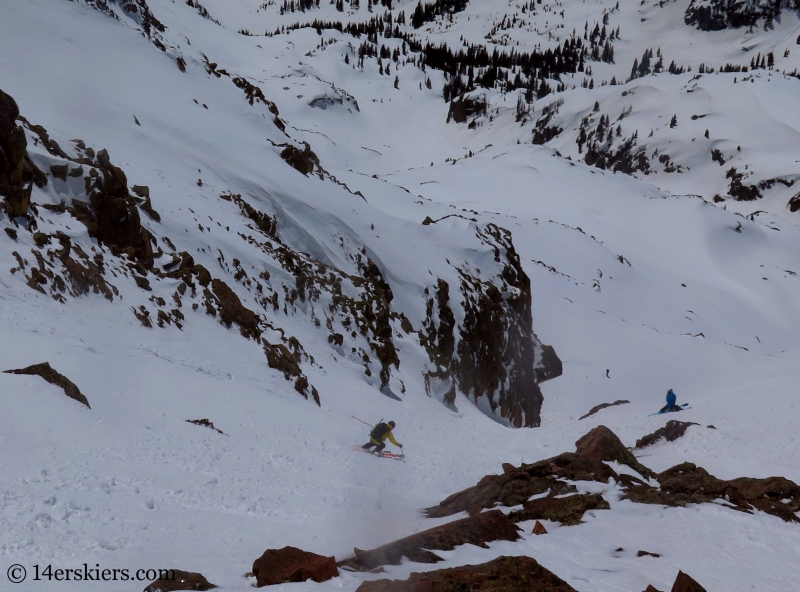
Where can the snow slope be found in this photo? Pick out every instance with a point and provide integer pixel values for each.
(657, 286)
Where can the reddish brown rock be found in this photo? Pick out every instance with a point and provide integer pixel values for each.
(290, 564)
(539, 528)
(652, 588)
(232, 310)
(419, 547)
(673, 430)
(517, 485)
(603, 444)
(774, 495)
(685, 583)
(687, 483)
(176, 579)
(504, 574)
(643, 553)
(567, 510)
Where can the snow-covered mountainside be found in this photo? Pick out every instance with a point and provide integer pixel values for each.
(233, 227)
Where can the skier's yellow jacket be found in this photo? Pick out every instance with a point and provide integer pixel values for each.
(383, 438)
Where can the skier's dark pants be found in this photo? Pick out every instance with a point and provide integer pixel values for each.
(669, 409)
(378, 447)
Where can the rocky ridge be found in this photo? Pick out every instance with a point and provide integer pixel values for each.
(491, 353)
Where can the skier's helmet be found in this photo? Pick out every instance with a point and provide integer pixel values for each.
(392, 424)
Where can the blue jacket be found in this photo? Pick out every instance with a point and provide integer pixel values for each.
(671, 398)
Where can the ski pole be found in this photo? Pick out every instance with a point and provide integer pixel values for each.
(361, 420)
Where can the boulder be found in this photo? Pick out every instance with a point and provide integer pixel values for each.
(504, 574)
(476, 530)
(604, 445)
(794, 203)
(673, 430)
(568, 510)
(685, 583)
(290, 564)
(180, 580)
(539, 528)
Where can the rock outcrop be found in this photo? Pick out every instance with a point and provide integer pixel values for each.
(673, 430)
(106, 207)
(138, 12)
(180, 580)
(687, 483)
(716, 15)
(475, 530)
(603, 444)
(602, 406)
(685, 583)
(113, 217)
(517, 484)
(466, 106)
(568, 510)
(301, 160)
(50, 375)
(504, 574)
(17, 173)
(492, 355)
(290, 564)
(205, 423)
(678, 486)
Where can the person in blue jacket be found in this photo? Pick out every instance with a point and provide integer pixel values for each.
(671, 403)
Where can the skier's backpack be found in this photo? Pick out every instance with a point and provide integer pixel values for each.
(379, 431)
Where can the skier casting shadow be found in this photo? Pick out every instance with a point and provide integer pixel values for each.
(670, 406)
(378, 436)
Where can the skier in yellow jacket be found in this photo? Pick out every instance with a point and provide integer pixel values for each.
(378, 436)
